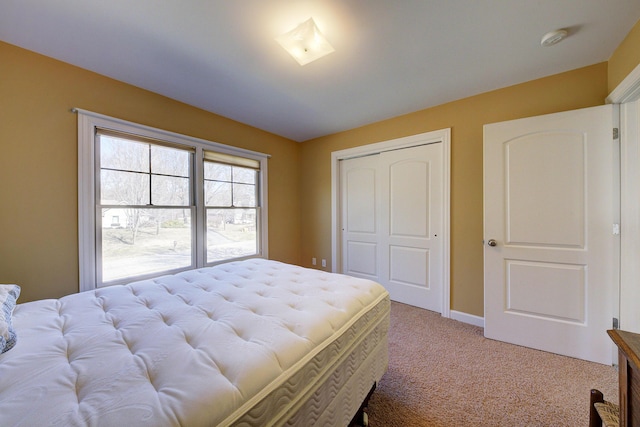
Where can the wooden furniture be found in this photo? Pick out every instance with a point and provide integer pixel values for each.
(629, 377)
(601, 412)
(627, 413)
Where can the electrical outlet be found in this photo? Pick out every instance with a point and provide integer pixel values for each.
(313, 261)
(324, 263)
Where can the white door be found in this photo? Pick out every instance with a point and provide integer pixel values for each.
(549, 246)
(361, 208)
(392, 221)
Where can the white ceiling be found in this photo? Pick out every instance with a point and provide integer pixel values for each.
(392, 56)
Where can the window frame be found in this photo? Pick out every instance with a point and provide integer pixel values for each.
(88, 233)
(209, 207)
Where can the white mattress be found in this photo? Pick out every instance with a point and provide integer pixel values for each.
(255, 342)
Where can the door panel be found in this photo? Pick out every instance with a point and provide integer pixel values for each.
(563, 285)
(409, 188)
(549, 207)
(557, 160)
(361, 198)
(409, 266)
(362, 259)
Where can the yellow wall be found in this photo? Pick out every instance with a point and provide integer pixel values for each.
(575, 89)
(38, 164)
(625, 58)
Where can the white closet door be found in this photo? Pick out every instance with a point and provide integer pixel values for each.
(392, 222)
(360, 217)
(411, 182)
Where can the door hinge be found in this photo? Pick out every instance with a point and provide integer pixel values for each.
(616, 229)
(616, 323)
(616, 133)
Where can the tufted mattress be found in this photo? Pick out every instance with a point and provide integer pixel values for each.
(252, 343)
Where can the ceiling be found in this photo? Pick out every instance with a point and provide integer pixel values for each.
(391, 57)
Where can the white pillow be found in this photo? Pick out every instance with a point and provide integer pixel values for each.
(8, 296)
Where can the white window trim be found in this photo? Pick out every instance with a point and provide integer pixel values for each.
(87, 123)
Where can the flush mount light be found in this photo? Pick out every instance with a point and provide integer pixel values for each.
(554, 37)
(305, 42)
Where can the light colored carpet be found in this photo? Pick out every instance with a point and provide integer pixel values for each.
(445, 373)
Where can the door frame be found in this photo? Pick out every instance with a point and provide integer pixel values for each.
(439, 136)
(627, 94)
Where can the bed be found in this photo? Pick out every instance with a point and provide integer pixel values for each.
(248, 343)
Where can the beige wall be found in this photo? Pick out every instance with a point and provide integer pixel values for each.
(38, 164)
(38, 170)
(575, 89)
(625, 58)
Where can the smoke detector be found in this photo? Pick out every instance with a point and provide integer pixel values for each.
(554, 37)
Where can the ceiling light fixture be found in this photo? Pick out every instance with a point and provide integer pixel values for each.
(554, 37)
(305, 42)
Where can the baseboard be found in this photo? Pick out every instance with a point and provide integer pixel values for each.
(467, 318)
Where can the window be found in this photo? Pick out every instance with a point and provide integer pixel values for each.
(230, 200)
(151, 185)
(153, 202)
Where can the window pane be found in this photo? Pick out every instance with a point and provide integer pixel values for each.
(116, 153)
(244, 175)
(217, 193)
(217, 171)
(124, 188)
(169, 191)
(244, 195)
(231, 233)
(142, 241)
(169, 161)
